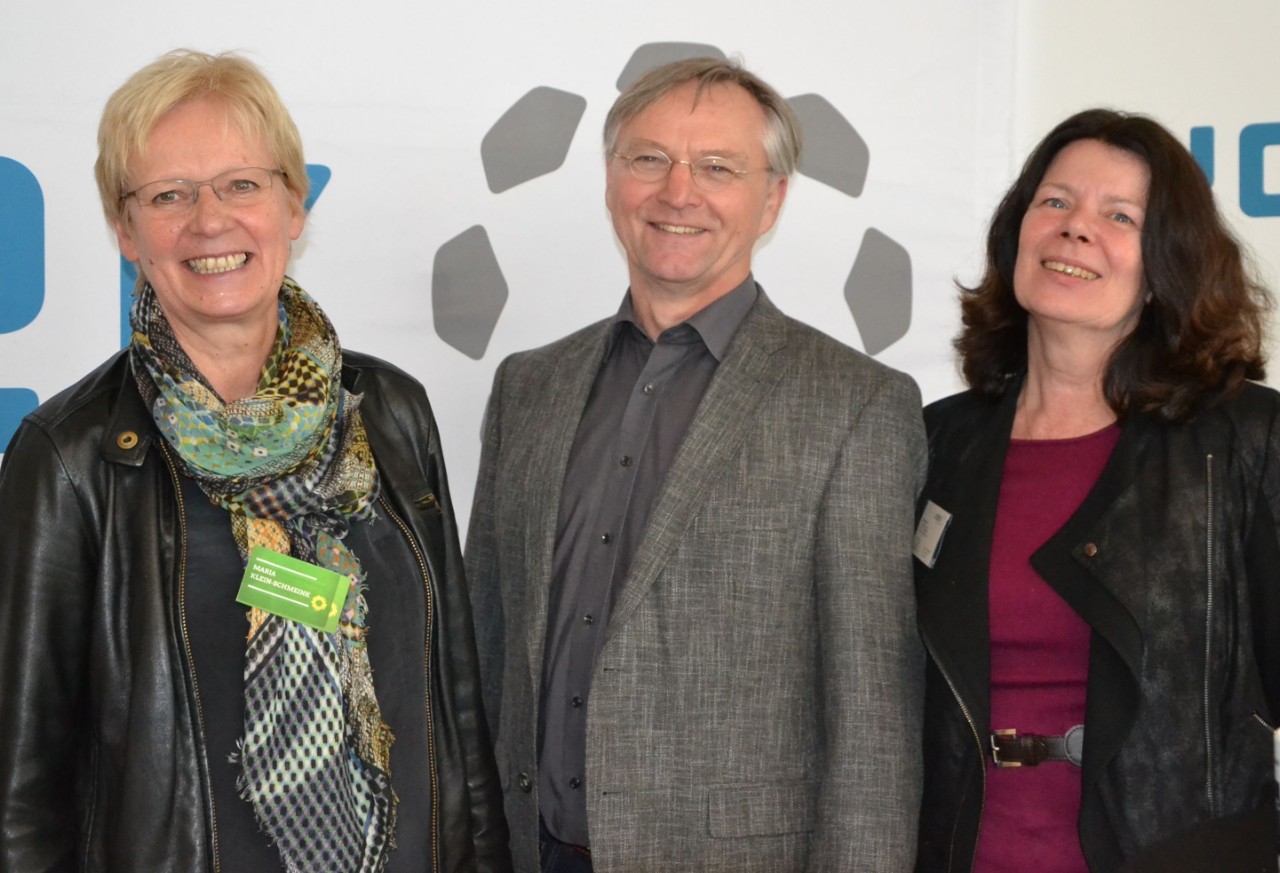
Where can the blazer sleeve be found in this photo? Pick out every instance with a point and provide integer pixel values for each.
(47, 556)
(872, 662)
(482, 558)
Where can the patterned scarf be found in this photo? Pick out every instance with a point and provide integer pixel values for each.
(292, 467)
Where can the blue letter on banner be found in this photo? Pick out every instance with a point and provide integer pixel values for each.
(21, 246)
(14, 404)
(1254, 199)
(1202, 150)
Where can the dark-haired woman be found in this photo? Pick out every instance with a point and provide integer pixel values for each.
(1098, 554)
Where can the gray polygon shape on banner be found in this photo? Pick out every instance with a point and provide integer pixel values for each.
(655, 54)
(531, 138)
(468, 292)
(878, 292)
(834, 153)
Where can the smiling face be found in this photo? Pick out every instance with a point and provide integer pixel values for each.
(217, 264)
(681, 241)
(1080, 246)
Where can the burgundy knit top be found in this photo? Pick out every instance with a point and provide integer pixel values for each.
(1039, 657)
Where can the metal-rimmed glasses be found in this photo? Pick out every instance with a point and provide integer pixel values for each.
(710, 173)
(243, 186)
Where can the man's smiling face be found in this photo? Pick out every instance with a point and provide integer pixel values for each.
(681, 240)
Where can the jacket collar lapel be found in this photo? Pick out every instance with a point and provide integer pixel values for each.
(1116, 656)
(567, 387)
(952, 597)
(1063, 563)
(131, 430)
(742, 381)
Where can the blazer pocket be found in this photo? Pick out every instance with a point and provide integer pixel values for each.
(758, 809)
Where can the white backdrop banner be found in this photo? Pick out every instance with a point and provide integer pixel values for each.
(458, 188)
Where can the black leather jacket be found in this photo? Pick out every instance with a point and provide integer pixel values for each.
(102, 761)
(1174, 561)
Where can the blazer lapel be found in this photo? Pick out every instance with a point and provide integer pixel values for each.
(566, 389)
(743, 379)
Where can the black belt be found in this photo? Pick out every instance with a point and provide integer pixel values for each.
(1011, 749)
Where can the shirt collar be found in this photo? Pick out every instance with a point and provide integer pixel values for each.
(716, 323)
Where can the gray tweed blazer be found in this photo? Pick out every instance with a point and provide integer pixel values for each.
(756, 704)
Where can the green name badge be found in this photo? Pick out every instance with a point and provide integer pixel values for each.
(293, 589)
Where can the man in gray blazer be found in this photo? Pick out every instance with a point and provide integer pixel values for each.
(690, 546)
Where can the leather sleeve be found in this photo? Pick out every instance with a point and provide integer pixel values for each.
(47, 554)
(489, 826)
(1262, 556)
(482, 559)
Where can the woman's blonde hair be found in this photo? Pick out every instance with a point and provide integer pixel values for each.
(182, 76)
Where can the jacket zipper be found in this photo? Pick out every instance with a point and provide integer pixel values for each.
(982, 769)
(186, 639)
(426, 670)
(1208, 635)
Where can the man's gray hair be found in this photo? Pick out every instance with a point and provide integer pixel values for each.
(782, 128)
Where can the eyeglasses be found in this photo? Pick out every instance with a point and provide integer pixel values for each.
(241, 187)
(710, 173)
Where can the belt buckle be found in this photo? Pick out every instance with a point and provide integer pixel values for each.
(996, 736)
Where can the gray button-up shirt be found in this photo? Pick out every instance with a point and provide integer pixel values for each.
(643, 399)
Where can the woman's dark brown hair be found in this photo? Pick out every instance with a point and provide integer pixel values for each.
(1198, 338)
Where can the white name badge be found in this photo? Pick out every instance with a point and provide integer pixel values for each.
(927, 544)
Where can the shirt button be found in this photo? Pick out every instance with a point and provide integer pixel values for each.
(575, 783)
(526, 784)
(625, 460)
(588, 618)
(576, 702)
(604, 538)
(1090, 550)
(648, 388)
